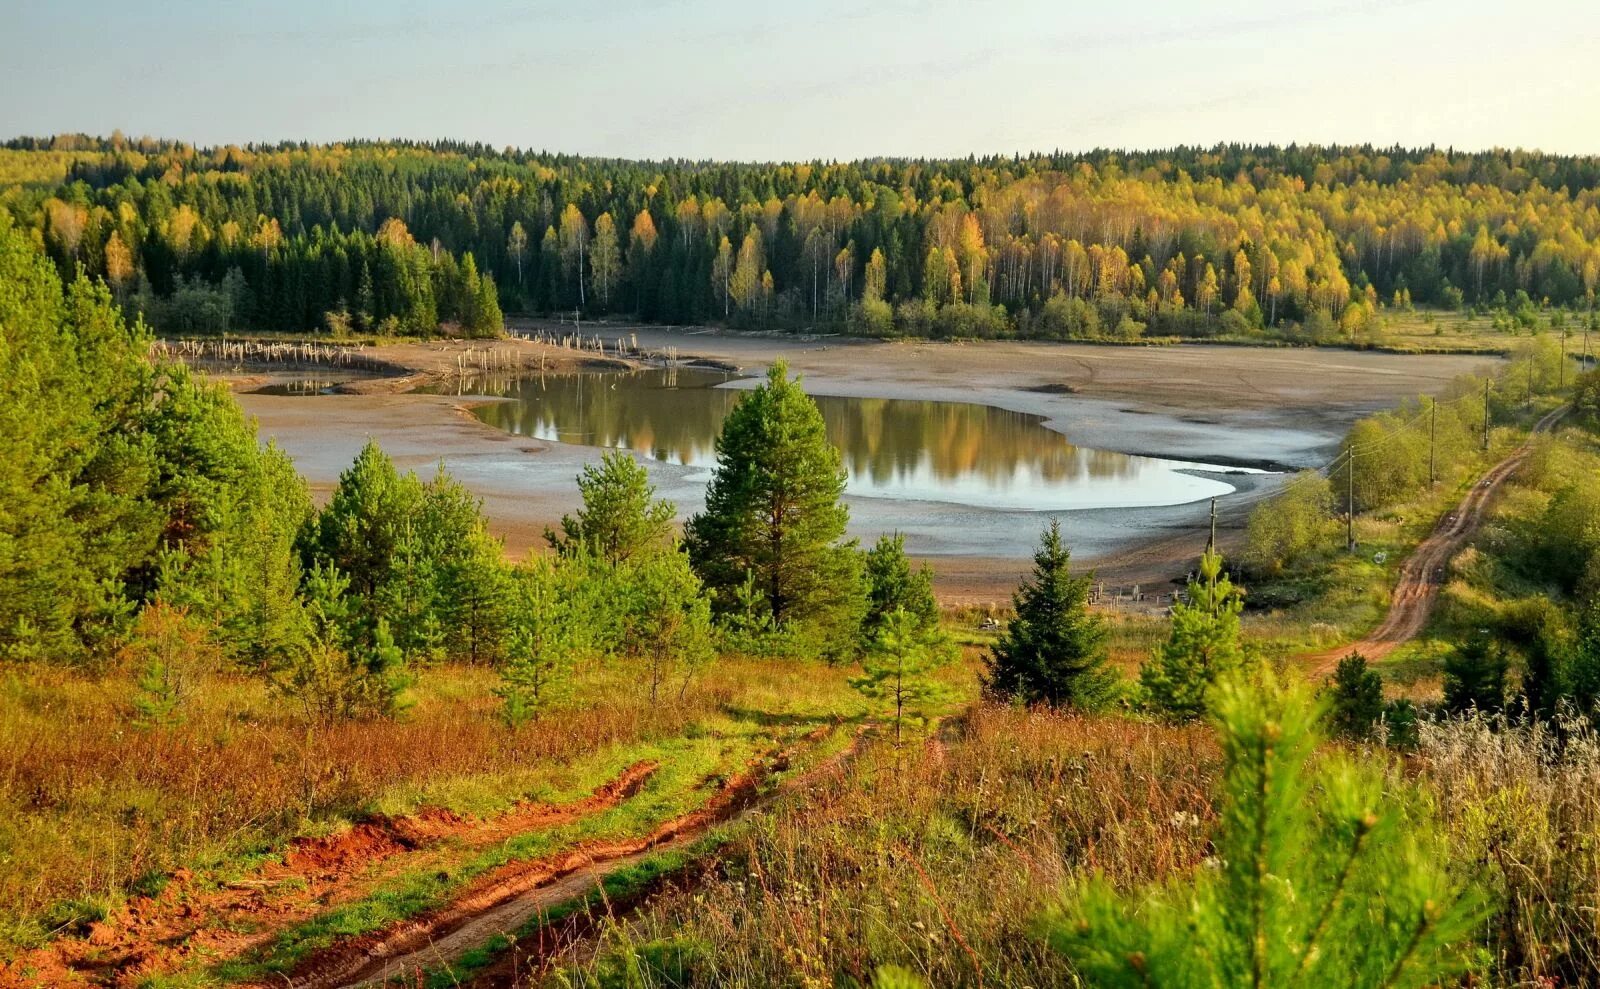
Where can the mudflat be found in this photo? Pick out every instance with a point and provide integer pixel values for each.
(1261, 407)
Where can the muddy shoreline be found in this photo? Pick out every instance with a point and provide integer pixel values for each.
(1236, 406)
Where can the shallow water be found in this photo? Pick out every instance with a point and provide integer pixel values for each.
(954, 453)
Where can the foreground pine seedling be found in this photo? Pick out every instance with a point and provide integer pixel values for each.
(1325, 873)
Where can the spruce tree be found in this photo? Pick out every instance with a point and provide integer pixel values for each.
(1202, 647)
(1356, 698)
(1475, 677)
(773, 511)
(1054, 650)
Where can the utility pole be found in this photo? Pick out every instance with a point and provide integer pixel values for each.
(1485, 415)
(1530, 379)
(1562, 380)
(1350, 504)
(1211, 547)
(1433, 439)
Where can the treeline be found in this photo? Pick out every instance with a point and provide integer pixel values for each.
(1301, 243)
(146, 529)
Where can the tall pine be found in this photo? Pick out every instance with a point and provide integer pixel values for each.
(773, 514)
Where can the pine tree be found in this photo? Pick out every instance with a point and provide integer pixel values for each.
(1203, 645)
(540, 647)
(360, 530)
(341, 673)
(1054, 650)
(620, 516)
(892, 585)
(899, 664)
(773, 510)
(1475, 677)
(666, 619)
(1323, 876)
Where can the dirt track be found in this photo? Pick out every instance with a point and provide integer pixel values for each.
(1424, 571)
(506, 900)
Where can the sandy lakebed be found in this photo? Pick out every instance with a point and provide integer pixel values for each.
(1274, 408)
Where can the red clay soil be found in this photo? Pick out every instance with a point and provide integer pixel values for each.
(373, 956)
(1425, 570)
(550, 944)
(193, 919)
(507, 898)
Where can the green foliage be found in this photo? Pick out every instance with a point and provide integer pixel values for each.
(899, 663)
(170, 650)
(895, 977)
(1054, 650)
(417, 555)
(675, 963)
(1564, 541)
(541, 641)
(1291, 526)
(278, 237)
(666, 619)
(620, 515)
(1475, 677)
(1324, 874)
(123, 482)
(1202, 648)
(341, 672)
(1586, 397)
(773, 511)
(1355, 698)
(892, 586)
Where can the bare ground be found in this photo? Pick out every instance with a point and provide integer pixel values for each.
(1231, 405)
(1426, 569)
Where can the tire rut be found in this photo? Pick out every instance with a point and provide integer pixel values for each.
(1423, 573)
(505, 900)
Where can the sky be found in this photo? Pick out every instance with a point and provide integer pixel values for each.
(825, 79)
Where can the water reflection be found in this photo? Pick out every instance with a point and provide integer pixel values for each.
(896, 448)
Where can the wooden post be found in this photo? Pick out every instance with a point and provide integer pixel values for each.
(1433, 433)
(1485, 415)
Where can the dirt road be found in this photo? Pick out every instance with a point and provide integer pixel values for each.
(1423, 572)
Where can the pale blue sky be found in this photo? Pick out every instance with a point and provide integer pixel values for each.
(824, 79)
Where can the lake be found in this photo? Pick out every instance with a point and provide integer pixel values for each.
(948, 452)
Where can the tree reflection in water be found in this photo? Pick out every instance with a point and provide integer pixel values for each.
(897, 448)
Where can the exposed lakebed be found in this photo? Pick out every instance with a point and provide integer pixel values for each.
(904, 449)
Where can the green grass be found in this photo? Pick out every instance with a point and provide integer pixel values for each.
(692, 770)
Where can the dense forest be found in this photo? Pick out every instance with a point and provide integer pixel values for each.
(1302, 243)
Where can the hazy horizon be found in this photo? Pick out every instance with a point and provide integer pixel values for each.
(707, 79)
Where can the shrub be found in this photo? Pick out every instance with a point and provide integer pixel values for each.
(1320, 876)
(1355, 698)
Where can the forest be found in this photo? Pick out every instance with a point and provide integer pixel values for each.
(325, 741)
(1303, 244)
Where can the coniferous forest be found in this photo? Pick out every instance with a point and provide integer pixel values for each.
(1297, 243)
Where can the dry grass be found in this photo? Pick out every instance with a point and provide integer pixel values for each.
(938, 857)
(1523, 805)
(92, 806)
